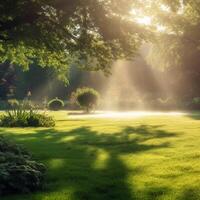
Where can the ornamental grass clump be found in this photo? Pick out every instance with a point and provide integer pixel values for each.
(24, 115)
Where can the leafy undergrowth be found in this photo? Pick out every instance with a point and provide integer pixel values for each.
(18, 172)
(146, 158)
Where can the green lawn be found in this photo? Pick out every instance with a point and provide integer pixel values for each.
(154, 157)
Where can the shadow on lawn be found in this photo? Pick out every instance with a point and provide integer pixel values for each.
(73, 156)
(82, 113)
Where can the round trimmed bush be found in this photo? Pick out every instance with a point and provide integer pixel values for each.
(87, 98)
(56, 104)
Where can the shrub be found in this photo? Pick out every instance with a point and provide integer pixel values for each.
(87, 98)
(18, 172)
(24, 118)
(56, 104)
(196, 100)
(194, 104)
(40, 120)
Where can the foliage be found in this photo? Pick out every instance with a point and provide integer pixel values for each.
(12, 104)
(42, 82)
(178, 45)
(175, 44)
(24, 116)
(196, 100)
(87, 98)
(59, 33)
(194, 104)
(18, 172)
(56, 104)
(7, 81)
(40, 120)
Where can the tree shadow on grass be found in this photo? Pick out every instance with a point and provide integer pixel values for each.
(81, 113)
(190, 194)
(89, 162)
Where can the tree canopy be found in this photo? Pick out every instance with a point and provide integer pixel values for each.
(177, 42)
(176, 46)
(94, 33)
(57, 33)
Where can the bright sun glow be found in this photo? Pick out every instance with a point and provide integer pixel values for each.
(140, 18)
(165, 8)
(161, 28)
(124, 115)
(146, 20)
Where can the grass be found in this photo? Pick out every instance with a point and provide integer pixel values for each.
(146, 158)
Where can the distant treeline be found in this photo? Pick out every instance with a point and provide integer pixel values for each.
(179, 83)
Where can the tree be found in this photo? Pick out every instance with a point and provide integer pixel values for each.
(175, 45)
(176, 30)
(7, 80)
(87, 98)
(57, 33)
